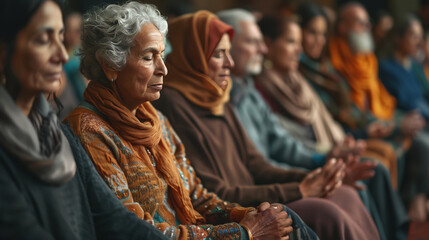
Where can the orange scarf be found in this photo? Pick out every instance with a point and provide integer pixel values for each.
(193, 38)
(361, 72)
(144, 129)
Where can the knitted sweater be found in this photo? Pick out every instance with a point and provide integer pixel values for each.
(146, 193)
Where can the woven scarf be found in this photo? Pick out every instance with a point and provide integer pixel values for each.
(143, 129)
(40, 146)
(293, 96)
(361, 72)
(194, 38)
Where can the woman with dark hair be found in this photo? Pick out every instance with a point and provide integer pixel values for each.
(405, 79)
(49, 188)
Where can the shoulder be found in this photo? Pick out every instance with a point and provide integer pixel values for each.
(84, 121)
(94, 131)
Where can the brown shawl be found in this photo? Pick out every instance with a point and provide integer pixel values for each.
(143, 129)
(193, 38)
(293, 96)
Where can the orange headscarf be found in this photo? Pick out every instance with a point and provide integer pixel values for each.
(194, 38)
(144, 129)
(361, 72)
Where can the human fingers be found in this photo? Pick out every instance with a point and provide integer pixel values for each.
(263, 206)
(313, 173)
(333, 182)
(279, 206)
(332, 190)
(360, 146)
(287, 231)
(333, 168)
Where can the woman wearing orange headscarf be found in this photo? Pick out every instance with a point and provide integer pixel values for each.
(196, 100)
(134, 148)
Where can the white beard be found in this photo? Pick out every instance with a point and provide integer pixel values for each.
(254, 66)
(361, 42)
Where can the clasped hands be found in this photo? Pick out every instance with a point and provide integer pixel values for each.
(267, 222)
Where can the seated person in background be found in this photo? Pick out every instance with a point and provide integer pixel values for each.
(273, 141)
(351, 55)
(405, 79)
(49, 187)
(402, 76)
(426, 55)
(333, 91)
(72, 41)
(198, 86)
(133, 146)
(382, 25)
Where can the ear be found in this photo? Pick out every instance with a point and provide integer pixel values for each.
(108, 71)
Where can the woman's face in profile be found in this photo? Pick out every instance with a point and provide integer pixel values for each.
(284, 52)
(220, 63)
(39, 52)
(141, 79)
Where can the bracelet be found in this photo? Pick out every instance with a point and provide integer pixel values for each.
(249, 233)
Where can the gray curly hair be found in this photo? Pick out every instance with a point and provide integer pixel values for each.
(108, 34)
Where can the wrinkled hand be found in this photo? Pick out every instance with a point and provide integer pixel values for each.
(323, 182)
(412, 124)
(268, 222)
(356, 171)
(349, 146)
(380, 129)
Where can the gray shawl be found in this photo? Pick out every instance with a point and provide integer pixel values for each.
(38, 145)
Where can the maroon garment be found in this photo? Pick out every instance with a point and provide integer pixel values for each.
(229, 164)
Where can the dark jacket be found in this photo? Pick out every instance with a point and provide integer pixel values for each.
(83, 208)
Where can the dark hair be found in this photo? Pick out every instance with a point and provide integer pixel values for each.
(307, 11)
(380, 14)
(401, 27)
(274, 26)
(14, 16)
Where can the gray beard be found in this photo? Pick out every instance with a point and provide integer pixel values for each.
(361, 42)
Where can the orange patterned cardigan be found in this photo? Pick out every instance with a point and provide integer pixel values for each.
(144, 192)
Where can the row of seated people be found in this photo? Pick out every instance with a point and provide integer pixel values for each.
(143, 160)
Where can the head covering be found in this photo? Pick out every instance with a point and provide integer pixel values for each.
(194, 38)
(361, 72)
(144, 130)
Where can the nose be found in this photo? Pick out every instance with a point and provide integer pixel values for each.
(161, 69)
(229, 62)
(299, 48)
(61, 54)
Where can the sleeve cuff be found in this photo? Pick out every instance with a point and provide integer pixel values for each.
(237, 213)
(319, 159)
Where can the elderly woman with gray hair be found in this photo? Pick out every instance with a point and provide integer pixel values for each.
(134, 147)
